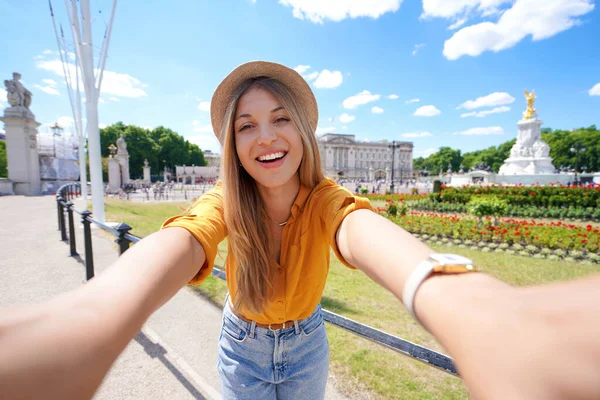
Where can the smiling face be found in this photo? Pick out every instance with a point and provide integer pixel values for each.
(267, 141)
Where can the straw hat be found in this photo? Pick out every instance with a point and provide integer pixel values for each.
(254, 69)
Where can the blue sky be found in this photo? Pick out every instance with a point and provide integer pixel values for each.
(434, 72)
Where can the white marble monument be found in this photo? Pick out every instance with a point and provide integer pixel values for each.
(123, 157)
(21, 139)
(530, 154)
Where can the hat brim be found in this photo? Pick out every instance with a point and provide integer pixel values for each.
(254, 69)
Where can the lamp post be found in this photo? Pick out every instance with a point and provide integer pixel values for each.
(393, 146)
(56, 131)
(577, 149)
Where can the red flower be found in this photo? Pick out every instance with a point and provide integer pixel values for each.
(518, 233)
(532, 193)
(588, 228)
(583, 240)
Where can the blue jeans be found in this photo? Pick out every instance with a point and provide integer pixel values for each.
(262, 364)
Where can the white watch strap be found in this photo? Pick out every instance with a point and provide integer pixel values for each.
(414, 281)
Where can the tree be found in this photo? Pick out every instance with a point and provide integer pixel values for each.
(160, 146)
(3, 160)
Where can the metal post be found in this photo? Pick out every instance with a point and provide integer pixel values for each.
(122, 241)
(58, 209)
(72, 246)
(87, 238)
(61, 216)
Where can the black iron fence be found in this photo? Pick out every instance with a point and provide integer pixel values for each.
(124, 239)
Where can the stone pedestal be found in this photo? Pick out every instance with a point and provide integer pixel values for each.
(147, 174)
(114, 175)
(21, 150)
(530, 154)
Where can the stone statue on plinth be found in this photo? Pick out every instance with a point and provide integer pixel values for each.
(121, 145)
(21, 139)
(17, 95)
(530, 155)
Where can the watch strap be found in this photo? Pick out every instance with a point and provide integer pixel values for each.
(414, 281)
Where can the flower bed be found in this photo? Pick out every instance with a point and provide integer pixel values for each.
(579, 213)
(537, 196)
(396, 197)
(530, 238)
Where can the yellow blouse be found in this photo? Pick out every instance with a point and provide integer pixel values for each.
(304, 260)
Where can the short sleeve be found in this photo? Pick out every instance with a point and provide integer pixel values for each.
(206, 223)
(337, 202)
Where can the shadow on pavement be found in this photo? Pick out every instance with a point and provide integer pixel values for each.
(155, 350)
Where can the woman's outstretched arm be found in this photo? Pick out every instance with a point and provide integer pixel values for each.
(507, 342)
(64, 347)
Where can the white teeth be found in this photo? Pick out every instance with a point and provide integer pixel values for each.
(271, 156)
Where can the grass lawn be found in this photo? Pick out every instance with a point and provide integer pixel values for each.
(361, 367)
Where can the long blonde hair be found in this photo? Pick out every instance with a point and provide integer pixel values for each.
(244, 208)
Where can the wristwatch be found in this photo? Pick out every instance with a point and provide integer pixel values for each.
(435, 263)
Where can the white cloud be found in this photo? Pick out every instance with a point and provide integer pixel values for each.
(427, 111)
(49, 82)
(363, 97)
(595, 91)
(318, 11)
(47, 89)
(114, 99)
(48, 52)
(491, 100)
(64, 122)
(490, 130)
(345, 118)
(457, 24)
(328, 129)
(205, 141)
(417, 134)
(302, 69)
(393, 97)
(148, 127)
(121, 85)
(2, 130)
(417, 47)
(101, 126)
(412, 101)
(483, 113)
(311, 76)
(453, 8)
(541, 19)
(377, 110)
(101, 100)
(329, 79)
(198, 128)
(204, 106)
(3, 98)
(425, 152)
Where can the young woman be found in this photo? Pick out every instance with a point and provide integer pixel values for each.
(280, 216)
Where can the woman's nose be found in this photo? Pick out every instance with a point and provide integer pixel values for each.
(267, 135)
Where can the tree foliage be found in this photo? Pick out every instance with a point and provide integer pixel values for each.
(560, 141)
(3, 160)
(160, 146)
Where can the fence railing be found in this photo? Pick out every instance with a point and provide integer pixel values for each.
(124, 239)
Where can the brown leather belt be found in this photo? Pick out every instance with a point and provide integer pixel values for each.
(273, 327)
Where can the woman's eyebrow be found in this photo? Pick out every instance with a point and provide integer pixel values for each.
(248, 115)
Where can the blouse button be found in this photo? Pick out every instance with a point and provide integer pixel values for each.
(280, 303)
(280, 270)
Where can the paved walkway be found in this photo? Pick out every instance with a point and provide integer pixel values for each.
(175, 354)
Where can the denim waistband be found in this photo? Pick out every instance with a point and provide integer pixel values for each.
(314, 319)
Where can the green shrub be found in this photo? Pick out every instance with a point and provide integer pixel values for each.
(487, 206)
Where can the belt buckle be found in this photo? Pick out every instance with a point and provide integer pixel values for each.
(282, 327)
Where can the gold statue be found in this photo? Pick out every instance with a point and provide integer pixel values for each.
(113, 150)
(530, 112)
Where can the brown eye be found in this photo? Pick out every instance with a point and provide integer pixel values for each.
(244, 127)
(281, 119)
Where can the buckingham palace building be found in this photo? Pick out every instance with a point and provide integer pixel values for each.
(344, 157)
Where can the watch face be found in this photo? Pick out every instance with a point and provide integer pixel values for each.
(451, 259)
